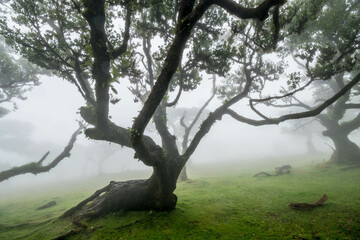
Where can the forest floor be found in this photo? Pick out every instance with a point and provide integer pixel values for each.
(218, 202)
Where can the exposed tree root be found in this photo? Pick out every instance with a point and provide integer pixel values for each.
(81, 227)
(78, 207)
(308, 206)
(129, 195)
(68, 234)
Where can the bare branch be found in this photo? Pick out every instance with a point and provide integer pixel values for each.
(351, 125)
(205, 104)
(306, 114)
(119, 135)
(37, 167)
(187, 129)
(43, 157)
(216, 115)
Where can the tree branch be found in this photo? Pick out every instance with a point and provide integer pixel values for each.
(187, 129)
(169, 67)
(216, 115)
(122, 49)
(168, 140)
(260, 12)
(95, 16)
(119, 135)
(37, 167)
(306, 114)
(351, 125)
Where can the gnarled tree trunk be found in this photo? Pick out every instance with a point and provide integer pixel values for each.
(346, 151)
(155, 193)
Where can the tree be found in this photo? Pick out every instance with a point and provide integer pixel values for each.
(80, 41)
(306, 128)
(338, 127)
(338, 64)
(183, 122)
(16, 77)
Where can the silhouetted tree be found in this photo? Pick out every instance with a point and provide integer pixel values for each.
(335, 35)
(183, 121)
(16, 77)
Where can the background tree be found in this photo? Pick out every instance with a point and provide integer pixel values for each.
(82, 42)
(306, 128)
(335, 35)
(16, 77)
(183, 122)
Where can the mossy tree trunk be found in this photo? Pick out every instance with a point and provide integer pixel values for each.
(155, 193)
(346, 151)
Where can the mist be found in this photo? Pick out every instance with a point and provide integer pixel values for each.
(180, 119)
(46, 119)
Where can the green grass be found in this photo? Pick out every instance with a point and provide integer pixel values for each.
(227, 204)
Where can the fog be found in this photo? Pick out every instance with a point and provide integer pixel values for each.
(46, 120)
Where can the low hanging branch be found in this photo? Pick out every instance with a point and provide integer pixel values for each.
(38, 167)
(310, 113)
(308, 206)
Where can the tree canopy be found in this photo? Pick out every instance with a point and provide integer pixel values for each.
(16, 77)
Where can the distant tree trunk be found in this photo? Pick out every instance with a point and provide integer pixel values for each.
(346, 151)
(184, 145)
(183, 174)
(310, 145)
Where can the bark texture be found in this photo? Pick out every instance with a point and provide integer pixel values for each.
(346, 151)
(155, 193)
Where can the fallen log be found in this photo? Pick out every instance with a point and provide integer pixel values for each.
(47, 205)
(308, 206)
(285, 169)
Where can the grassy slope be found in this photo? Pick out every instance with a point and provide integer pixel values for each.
(228, 205)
